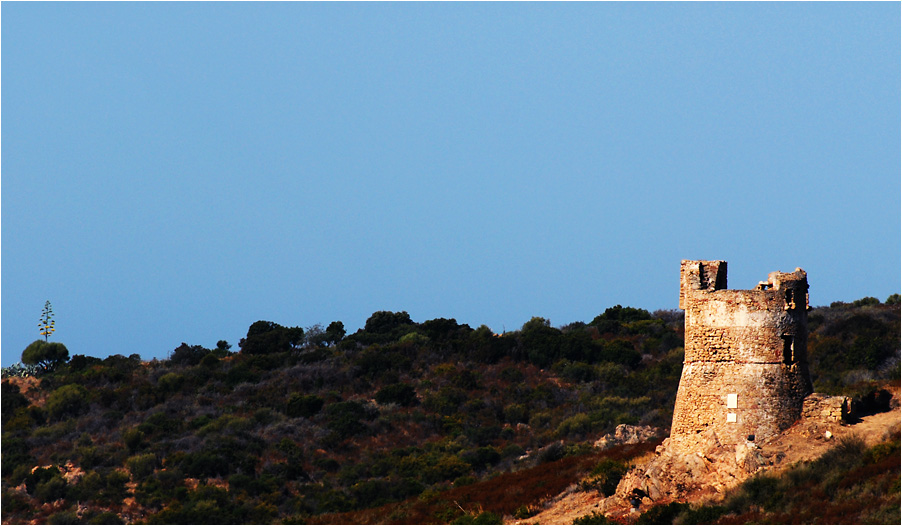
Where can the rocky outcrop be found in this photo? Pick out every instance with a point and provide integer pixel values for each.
(627, 434)
(678, 471)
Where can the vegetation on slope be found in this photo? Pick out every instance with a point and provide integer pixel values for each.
(400, 418)
(851, 484)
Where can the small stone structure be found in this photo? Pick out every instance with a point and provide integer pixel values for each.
(827, 408)
(745, 371)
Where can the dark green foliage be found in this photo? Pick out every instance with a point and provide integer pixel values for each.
(15, 453)
(703, 514)
(12, 400)
(619, 351)
(80, 362)
(376, 360)
(335, 332)
(441, 329)
(593, 518)
(159, 423)
(186, 354)
(541, 341)
(39, 476)
(622, 314)
(482, 457)
(50, 490)
(106, 517)
(663, 514)
(133, 439)
(386, 322)
(486, 517)
(266, 337)
(867, 300)
(843, 339)
(64, 517)
(303, 405)
(45, 354)
(402, 394)
(614, 319)
(67, 402)
(142, 466)
(344, 418)
(605, 476)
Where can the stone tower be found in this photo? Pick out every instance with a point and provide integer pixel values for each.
(745, 371)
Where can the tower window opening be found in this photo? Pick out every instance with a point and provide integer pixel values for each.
(787, 349)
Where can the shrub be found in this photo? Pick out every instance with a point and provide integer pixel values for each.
(170, 382)
(593, 518)
(15, 453)
(386, 322)
(63, 517)
(303, 405)
(132, 439)
(52, 489)
(266, 337)
(400, 393)
(619, 351)
(541, 341)
(344, 418)
(486, 517)
(141, 466)
(186, 354)
(106, 517)
(605, 476)
(12, 399)
(67, 401)
(662, 514)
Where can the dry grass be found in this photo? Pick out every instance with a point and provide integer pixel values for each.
(502, 494)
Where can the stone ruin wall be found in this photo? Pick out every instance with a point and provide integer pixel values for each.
(745, 372)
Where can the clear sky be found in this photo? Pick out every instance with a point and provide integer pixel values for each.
(174, 172)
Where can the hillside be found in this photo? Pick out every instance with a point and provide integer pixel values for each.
(401, 422)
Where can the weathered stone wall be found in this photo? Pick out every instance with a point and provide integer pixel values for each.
(827, 408)
(745, 371)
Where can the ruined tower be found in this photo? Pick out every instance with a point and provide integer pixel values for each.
(745, 371)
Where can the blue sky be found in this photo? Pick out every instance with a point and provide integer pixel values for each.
(173, 172)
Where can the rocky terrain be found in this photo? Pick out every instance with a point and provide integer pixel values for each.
(708, 477)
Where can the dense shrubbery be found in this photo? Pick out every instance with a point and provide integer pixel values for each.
(302, 423)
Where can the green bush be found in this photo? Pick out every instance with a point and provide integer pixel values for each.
(106, 517)
(52, 489)
(133, 439)
(63, 517)
(593, 518)
(266, 337)
(67, 401)
(303, 405)
(605, 476)
(400, 393)
(344, 418)
(141, 466)
(486, 517)
(663, 514)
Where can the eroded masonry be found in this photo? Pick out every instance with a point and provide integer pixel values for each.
(745, 373)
